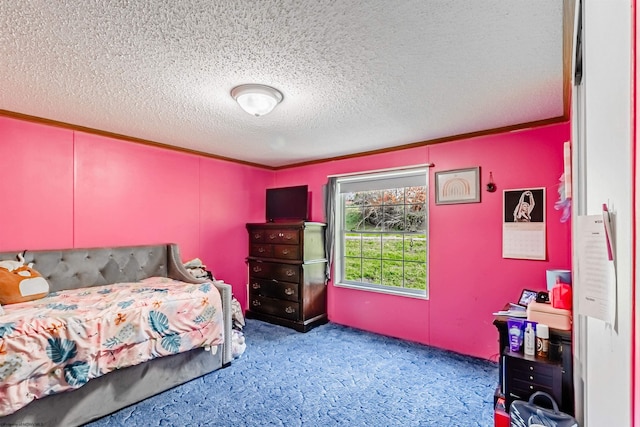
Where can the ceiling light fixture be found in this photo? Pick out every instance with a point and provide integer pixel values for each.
(255, 99)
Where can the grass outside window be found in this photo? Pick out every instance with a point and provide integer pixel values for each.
(396, 260)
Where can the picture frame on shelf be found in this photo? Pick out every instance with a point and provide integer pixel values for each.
(457, 186)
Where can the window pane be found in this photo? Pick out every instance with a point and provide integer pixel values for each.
(372, 217)
(393, 218)
(371, 271)
(415, 275)
(353, 218)
(369, 197)
(352, 245)
(369, 202)
(416, 217)
(371, 246)
(415, 247)
(392, 246)
(393, 196)
(415, 195)
(353, 269)
(392, 273)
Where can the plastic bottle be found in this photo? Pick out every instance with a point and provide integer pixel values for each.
(529, 340)
(542, 341)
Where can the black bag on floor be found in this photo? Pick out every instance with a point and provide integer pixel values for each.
(528, 414)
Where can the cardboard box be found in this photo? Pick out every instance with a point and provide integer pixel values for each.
(555, 318)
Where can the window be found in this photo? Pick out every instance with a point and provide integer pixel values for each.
(381, 232)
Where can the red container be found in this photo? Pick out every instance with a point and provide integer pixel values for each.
(561, 296)
(501, 418)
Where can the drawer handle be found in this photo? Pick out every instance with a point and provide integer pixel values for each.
(285, 251)
(290, 273)
(261, 249)
(290, 310)
(257, 269)
(288, 236)
(256, 236)
(273, 236)
(255, 285)
(256, 303)
(531, 377)
(289, 291)
(280, 234)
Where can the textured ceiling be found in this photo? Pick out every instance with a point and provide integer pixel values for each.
(356, 75)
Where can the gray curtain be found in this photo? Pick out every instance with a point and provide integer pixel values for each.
(330, 219)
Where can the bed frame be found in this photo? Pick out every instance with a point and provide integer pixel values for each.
(76, 268)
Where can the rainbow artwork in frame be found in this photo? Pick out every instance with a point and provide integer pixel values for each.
(458, 186)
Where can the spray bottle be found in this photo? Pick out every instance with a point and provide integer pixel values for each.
(530, 339)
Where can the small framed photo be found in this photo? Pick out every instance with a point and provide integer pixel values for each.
(458, 186)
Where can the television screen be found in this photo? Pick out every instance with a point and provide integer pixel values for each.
(287, 203)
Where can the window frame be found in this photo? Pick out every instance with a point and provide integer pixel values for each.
(340, 233)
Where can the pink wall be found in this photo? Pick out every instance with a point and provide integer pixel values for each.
(36, 183)
(72, 189)
(468, 277)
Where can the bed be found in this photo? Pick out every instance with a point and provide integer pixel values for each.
(88, 338)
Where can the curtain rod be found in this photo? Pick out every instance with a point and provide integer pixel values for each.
(340, 175)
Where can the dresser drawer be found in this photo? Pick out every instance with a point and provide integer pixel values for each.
(523, 390)
(257, 236)
(272, 270)
(275, 307)
(286, 272)
(274, 289)
(259, 250)
(286, 251)
(287, 236)
(528, 367)
(260, 269)
(523, 377)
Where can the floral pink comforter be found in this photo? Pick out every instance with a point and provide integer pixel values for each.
(62, 341)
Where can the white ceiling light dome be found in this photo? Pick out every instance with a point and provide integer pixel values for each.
(257, 99)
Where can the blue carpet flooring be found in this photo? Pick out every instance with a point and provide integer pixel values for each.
(330, 376)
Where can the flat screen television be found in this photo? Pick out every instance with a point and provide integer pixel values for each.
(287, 204)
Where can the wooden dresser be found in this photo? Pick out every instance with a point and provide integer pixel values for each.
(287, 283)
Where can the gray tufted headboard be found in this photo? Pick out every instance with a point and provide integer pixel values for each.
(78, 268)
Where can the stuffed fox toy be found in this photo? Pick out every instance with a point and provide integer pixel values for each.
(20, 282)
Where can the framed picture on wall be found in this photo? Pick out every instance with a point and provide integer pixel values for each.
(458, 186)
